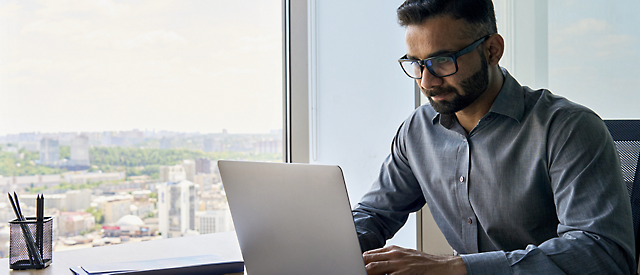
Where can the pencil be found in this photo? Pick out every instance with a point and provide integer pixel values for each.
(34, 254)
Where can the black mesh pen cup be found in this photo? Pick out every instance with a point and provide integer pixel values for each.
(21, 244)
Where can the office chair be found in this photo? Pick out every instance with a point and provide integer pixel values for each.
(626, 136)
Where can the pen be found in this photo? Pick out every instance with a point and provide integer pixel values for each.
(39, 222)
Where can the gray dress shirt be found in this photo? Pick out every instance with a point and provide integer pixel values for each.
(535, 188)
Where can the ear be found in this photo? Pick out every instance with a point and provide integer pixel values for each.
(494, 48)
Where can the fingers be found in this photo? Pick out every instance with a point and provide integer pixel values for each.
(382, 267)
(383, 260)
(379, 254)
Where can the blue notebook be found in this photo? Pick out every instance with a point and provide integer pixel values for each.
(204, 264)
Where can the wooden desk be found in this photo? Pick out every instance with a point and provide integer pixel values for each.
(224, 245)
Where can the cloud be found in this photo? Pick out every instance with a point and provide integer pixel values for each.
(589, 37)
(153, 38)
(585, 26)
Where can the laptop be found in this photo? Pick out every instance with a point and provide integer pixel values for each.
(292, 218)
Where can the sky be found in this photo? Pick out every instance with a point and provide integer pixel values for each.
(104, 65)
(594, 54)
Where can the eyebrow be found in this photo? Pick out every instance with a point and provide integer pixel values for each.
(438, 53)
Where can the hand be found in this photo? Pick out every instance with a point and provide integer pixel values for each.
(396, 260)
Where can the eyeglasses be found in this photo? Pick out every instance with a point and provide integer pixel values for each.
(439, 66)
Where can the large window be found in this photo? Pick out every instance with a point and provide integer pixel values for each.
(585, 50)
(116, 108)
(594, 52)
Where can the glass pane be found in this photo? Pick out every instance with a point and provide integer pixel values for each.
(594, 52)
(114, 109)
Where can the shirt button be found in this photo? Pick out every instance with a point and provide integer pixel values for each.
(469, 221)
(461, 178)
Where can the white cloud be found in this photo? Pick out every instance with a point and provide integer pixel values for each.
(586, 26)
(589, 37)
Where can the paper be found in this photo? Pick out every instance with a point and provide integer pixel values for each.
(203, 264)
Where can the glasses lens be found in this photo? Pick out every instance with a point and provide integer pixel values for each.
(442, 65)
(412, 68)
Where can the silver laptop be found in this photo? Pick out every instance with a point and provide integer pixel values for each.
(292, 218)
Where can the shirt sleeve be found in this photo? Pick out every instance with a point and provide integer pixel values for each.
(595, 231)
(394, 195)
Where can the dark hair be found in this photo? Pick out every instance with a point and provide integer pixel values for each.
(478, 13)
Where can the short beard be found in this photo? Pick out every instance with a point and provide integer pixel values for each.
(474, 86)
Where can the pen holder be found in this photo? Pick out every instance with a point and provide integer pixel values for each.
(18, 247)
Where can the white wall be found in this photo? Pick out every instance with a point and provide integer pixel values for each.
(358, 95)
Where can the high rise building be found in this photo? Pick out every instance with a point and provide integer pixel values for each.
(175, 173)
(115, 208)
(213, 221)
(269, 146)
(189, 169)
(205, 181)
(213, 145)
(203, 166)
(176, 208)
(79, 152)
(49, 151)
(78, 200)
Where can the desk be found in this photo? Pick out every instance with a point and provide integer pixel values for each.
(223, 244)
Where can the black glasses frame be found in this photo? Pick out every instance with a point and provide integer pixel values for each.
(425, 63)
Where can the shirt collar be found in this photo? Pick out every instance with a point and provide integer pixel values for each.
(509, 102)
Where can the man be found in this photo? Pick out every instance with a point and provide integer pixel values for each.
(519, 181)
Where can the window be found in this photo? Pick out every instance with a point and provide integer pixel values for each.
(583, 50)
(128, 99)
(594, 52)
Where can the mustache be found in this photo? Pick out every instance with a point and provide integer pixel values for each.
(439, 91)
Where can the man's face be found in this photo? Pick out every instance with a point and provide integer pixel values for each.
(444, 35)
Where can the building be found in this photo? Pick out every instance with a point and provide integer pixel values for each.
(212, 221)
(128, 225)
(205, 182)
(176, 208)
(49, 151)
(116, 207)
(79, 159)
(84, 178)
(77, 200)
(268, 146)
(175, 173)
(189, 169)
(10, 184)
(74, 223)
(72, 200)
(203, 166)
(32, 146)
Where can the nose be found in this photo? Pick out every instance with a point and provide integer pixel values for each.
(428, 80)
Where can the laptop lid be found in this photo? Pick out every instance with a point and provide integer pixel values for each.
(292, 218)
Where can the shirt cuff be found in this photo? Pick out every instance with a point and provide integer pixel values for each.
(489, 263)
(368, 241)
